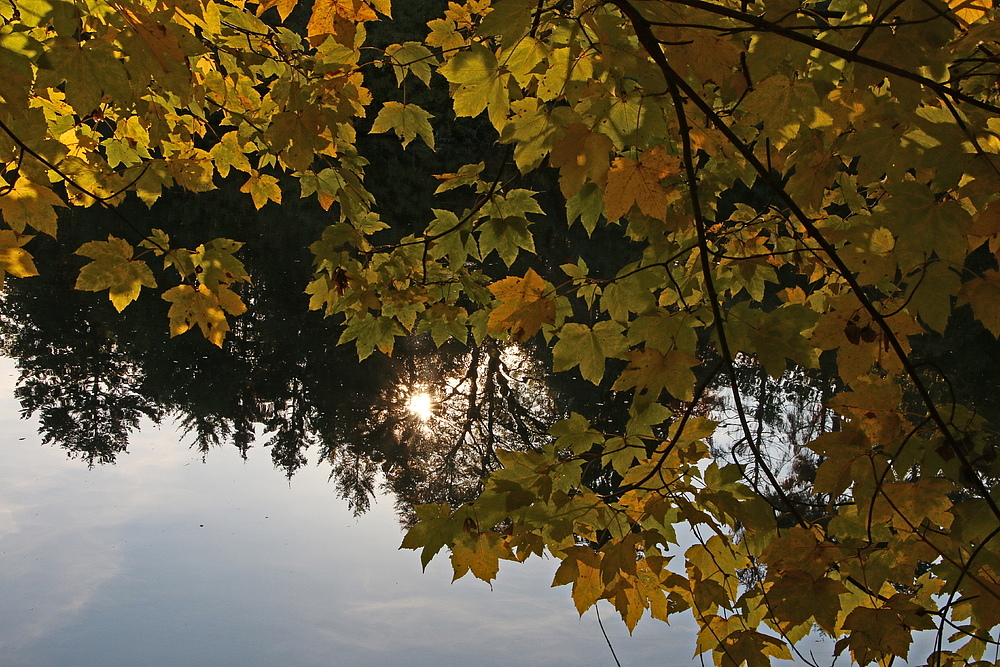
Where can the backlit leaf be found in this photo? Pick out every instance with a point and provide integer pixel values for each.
(638, 183)
(525, 306)
(114, 269)
(28, 204)
(14, 259)
(190, 306)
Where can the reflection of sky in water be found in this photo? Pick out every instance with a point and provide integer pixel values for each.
(163, 560)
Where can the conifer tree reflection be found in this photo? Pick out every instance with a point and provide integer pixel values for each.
(91, 375)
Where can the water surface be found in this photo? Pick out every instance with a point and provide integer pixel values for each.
(163, 559)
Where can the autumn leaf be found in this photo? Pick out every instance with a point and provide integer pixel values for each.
(650, 372)
(338, 18)
(479, 84)
(638, 183)
(190, 306)
(588, 348)
(885, 630)
(524, 306)
(970, 11)
(581, 155)
(410, 57)
(228, 154)
(370, 334)
(983, 294)
(29, 204)
(215, 265)
(433, 529)
(114, 269)
(753, 648)
(843, 169)
(14, 259)
(582, 568)
(480, 553)
(796, 597)
(262, 188)
(508, 236)
(406, 120)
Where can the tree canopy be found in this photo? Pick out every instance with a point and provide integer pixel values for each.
(774, 190)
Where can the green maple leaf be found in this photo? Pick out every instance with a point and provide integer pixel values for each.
(532, 132)
(114, 269)
(923, 223)
(215, 265)
(479, 84)
(509, 19)
(575, 433)
(506, 236)
(650, 372)
(587, 205)
(410, 58)
(407, 120)
(580, 345)
(433, 530)
(371, 333)
(466, 175)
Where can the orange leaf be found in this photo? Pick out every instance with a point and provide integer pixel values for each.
(639, 183)
(524, 306)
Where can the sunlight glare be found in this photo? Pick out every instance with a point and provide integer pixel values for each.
(421, 405)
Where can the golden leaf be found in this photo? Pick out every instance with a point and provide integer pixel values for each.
(638, 183)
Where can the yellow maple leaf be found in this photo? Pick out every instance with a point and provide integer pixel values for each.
(338, 18)
(650, 371)
(285, 7)
(524, 306)
(638, 183)
(480, 553)
(14, 259)
(30, 204)
(970, 11)
(114, 269)
(262, 188)
(206, 308)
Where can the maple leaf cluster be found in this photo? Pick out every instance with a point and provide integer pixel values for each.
(794, 186)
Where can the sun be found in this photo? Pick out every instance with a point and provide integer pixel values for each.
(421, 405)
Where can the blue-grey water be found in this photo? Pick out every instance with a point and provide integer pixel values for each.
(165, 560)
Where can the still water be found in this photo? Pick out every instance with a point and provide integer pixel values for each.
(163, 559)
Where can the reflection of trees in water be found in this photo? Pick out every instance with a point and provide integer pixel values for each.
(492, 396)
(91, 375)
(83, 393)
(784, 414)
